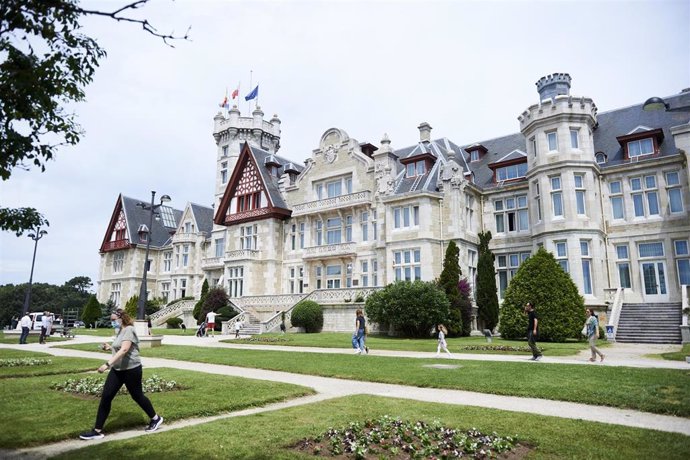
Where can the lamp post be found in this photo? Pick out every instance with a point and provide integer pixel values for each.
(657, 103)
(37, 235)
(141, 307)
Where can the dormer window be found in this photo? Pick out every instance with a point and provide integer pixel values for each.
(476, 151)
(511, 172)
(474, 155)
(418, 168)
(641, 147)
(641, 142)
(600, 158)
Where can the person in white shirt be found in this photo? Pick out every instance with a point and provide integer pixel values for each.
(210, 323)
(25, 324)
(46, 326)
(238, 326)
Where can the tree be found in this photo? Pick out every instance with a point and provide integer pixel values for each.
(46, 66)
(79, 283)
(412, 308)
(132, 306)
(308, 315)
(92, 311)
(448, 281)
(216, 299)
(198, 306)
(559, 305)
(465, 305)
(487, 298)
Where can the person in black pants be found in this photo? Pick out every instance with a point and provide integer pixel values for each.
(125, 369)
(533, 322)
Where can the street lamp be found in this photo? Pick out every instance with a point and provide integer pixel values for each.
(657, 103)
(37, 235)
(143, 230)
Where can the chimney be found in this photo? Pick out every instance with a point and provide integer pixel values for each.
(424, 132)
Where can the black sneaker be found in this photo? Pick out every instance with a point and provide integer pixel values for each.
(366, 349)
(93, 434)
(154, 424)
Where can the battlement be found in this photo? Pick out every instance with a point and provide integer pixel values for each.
(564, 104)
(556, 84)
(236, 126)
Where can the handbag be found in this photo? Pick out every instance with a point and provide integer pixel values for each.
(584, 330)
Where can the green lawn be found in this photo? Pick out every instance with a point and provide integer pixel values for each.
(58, 364)
(40, 415)
(108, 332)
(677, 355)
(383, 342)
(248, 437)
(661, 391)
(33, 338)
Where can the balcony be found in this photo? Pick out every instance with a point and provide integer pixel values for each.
(330, 251)
(184, 238)
(242, 254)
(115, 245)
(209, 263)
(329, 204)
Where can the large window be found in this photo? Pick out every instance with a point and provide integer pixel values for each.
(301, 235)
(472, 270)
(185, 255)
(333, 276)
(562, 254)
(616, 193)
(580, 194)
(586, 266)
(406, 216)
(118, 262)
(511, 214)
(507, 268)
(167, 261)
(417, 168)
(348, 228)
(682, 253)
(675, 193)
(511, 172)
(641, 147)
(364, 225)
(623, 265)
(115, 293)
(537, 198)
(469, 212)
(318, 233)
(552, 141)
(235, 281)
(332, 188)
(223, 172)
(296, 280)
(248, 237)
(556, 196)
(220, 246)
(407, 265)
(645, 196)
(655, 249)
(334, 230)
(364, 270)
(165, 291)
(574, 138)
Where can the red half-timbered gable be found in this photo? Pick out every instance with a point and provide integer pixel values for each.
(116, 235)
(246, 198)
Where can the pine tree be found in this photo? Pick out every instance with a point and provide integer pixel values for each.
(199, 305)
(92, 311)
(487, 298)
(448, 281)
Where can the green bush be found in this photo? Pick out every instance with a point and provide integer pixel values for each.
(487, 298)
(199, 305)
(92, 311)
(309, 315)
(174, 323)
(412, 308)
(559, 306)
(448, 281)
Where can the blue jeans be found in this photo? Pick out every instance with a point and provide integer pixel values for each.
(24, 335)
(358, 339)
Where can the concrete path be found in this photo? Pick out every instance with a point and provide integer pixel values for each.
(327, 388)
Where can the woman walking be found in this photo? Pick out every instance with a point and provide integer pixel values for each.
(592, 334)
(359, 336)
(125, 369)
(442, 331)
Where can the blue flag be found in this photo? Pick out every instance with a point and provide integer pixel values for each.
(253, 94)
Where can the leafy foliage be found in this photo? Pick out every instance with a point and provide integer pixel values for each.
(559, 305)
(309, 315)
(132, 306)
(465, 305)
(487, 297)
(412, 308)
(448, 281)
(173, 323)
(20, 220)
(216, 299)
(199, 305)
(92, 311)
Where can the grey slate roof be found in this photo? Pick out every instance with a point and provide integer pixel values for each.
(270, 180)
(204, 218)
(137, 216)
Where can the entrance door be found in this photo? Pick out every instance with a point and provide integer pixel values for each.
(654, 281)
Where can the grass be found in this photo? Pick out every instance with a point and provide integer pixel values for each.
(677, 355)
(662, 391)
(248, 437)
(33, 338)
(108, 332)
(58, 365)
(40, 415)
(383, 342)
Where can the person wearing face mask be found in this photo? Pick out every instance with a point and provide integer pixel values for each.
(125, 369)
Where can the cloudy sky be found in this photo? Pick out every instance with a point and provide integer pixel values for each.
(467, 68)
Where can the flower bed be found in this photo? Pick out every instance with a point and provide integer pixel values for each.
(393, 438)
(93, 386)
(16, 362)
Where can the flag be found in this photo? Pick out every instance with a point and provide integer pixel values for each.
(236, 92)
(253, 94)
(225, 104)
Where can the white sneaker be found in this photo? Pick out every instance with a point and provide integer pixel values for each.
(357, 351)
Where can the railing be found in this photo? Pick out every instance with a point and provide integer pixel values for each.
(685, 303)
(212, 262)
(171, 310)
(329, 250)
(351, 199)
(185, 237)
(616, 307)
(117, 244)
(261, 300)
(242, 254)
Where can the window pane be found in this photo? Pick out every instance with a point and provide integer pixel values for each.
(499, 223)
(573, 139)
(522, 201)
(624, 275)
(498, 205)
(557, 204)
(617, 207)
(564, 265)
(636, 184)
(524, 220)
(615, 187)
(580, 197)
(417, 255)
(555, 183)
(514, 260)
(622, 251)
(672, 178)
(551, 137)
(653, 203)
(584, 248)
(561, 249)
(646, 146)
(675, 200)
(578, 181)
(586, 277)
(684, 271)
(681, 247)
(639, 206)
(651, 249)
(650, 181)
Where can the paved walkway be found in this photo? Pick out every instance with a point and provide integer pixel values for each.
(327, 388)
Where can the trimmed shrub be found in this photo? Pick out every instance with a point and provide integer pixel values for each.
(216, 299)
(309, 315)
(557, 301)
(199, 305)
(448, 281)
(173, 323)
(412, 308)
(487, 298)
(92, 311)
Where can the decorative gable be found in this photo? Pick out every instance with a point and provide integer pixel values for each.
(116, 237)
(247, 198)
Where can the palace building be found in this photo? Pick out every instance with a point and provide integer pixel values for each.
(607, 193)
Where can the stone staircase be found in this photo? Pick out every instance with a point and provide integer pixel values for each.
(253, 327)
(649, 323)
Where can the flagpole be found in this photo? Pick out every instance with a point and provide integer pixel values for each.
(250, 87)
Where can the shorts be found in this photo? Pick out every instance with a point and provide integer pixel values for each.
(210, 325)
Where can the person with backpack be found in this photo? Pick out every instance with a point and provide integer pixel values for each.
(592, 325)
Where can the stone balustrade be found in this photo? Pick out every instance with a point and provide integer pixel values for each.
(342, 201)
(330, 250)
(212, 262)
(242, 254)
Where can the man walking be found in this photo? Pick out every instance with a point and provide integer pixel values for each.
(532, 323)
(46, 326)
(25, 324)
(211, 323)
